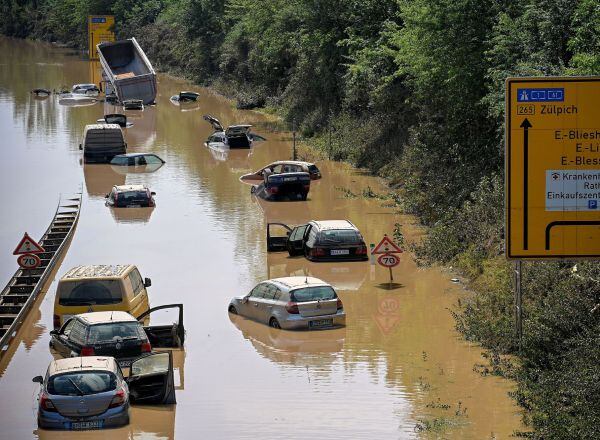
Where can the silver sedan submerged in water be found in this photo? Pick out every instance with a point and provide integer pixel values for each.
(292, 303)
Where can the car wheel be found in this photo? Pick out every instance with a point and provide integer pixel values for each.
(274, 323)
(232, 310)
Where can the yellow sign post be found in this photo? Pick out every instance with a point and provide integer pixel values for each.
(553, 168)
(100, 29)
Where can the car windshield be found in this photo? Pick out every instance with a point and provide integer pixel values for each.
(340, 236)
(82, 383)
(88, 292)
(321, 293)
(120, 160)
(115, 331)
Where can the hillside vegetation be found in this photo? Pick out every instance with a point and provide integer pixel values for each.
(414, 91)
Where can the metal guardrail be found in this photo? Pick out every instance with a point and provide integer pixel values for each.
(20, 293)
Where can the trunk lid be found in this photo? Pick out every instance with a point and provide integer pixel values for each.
(317, 308)
(82, 406)
(119, 349)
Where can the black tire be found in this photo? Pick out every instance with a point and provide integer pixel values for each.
(273, 323)
(232, 310)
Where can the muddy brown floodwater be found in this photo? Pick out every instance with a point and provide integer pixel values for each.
(398, 370)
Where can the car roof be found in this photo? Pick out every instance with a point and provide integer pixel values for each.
(290, 162)
(87, 363)
(106, 317)
(124, 188)
(102, 127)
(135, 154)
(334, 224)
(291, 283)
(97, 271)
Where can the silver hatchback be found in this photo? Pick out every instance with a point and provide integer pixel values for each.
(292, 303)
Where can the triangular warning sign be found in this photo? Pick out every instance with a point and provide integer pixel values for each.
(386, 246)
(28, 245)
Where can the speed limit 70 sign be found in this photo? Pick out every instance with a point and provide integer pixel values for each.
(29, 261)
(388, 260)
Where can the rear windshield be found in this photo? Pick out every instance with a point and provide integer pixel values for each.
(115, 331)
(313, 169)
(322, 293)
(82, 383)
(340, 236)
(132, 195)
(89, 292)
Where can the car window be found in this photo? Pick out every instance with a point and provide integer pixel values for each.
(137, 284)
(115, 331)
(321, 293)
(78, 333)
(119, 160)
(312, 237)
(277, 294)
(298, 233)
(340, 236)
(157, 363)
(68, 327)
(152, 159)
(260, 290)
(140, 160)
(270, 291)
(277, 169)
(82, 383)
(313, 169)
(89, 292)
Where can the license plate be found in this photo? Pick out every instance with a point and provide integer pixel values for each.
(134, 206)
(124, 363)
(320, 323)
(290, 179)
(340, 252)
(94, 424)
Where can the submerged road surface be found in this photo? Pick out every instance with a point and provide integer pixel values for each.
(397, 371)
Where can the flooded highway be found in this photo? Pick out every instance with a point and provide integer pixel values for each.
(398, 370)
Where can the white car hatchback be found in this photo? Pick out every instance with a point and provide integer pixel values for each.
(292, 303)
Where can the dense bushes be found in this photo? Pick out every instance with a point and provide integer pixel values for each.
(413, 90)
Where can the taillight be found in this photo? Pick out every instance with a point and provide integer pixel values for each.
(146, 347)
(317, 252)
(87, 351)
(118, 400)
(273, 190)
(340, 305)
(46, 404)
(116, 198)
(306, 187)
(56, 321)
(292, 308)
(362, 250)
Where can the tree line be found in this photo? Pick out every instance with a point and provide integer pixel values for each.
(414, 91)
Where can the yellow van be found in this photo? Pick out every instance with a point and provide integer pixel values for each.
(99, 288)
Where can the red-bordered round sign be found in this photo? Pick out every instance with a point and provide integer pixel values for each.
(388, 260)
(29, 261)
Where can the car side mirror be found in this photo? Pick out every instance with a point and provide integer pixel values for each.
(38, 379)
(288, 233)
(153, 193)
(106, 196)
(147, 282)
(53, 332)
(80, 147)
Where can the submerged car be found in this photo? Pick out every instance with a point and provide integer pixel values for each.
(115, 118)
(283, 166)
(130, 196)
(102, 142)
(82, 393)
(99, 288)
(292, 303)
(235, 136)
(86, 89)
(136, 159)
(288, 186)
(184, 96)
(323, 240)
(117, 334)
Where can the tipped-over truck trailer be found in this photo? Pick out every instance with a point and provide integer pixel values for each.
(128, 70)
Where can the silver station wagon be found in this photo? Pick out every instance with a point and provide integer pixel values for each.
(292, 303)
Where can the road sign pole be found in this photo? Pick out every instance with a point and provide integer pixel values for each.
(391, 276)
(518, 301)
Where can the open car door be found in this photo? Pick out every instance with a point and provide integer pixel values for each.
(165, 336)
(276, 240)
(295, 243)
(151, 379)
(214, 122)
